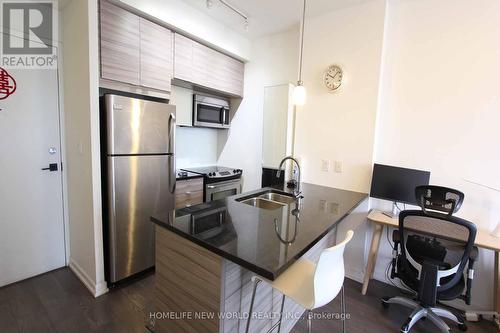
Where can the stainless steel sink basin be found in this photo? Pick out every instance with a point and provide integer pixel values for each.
(285, 199)
(268, 199)
(263, 203)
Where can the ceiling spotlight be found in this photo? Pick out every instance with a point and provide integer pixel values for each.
(209, 4)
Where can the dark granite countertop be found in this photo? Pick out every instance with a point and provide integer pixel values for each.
(263, 241)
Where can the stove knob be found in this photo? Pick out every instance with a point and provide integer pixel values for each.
(235, 171)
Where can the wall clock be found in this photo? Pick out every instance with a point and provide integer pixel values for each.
(333, 77)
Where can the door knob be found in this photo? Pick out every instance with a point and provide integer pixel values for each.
(52, 167)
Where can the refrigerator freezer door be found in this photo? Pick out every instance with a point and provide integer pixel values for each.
(136, 126)
(139, 187)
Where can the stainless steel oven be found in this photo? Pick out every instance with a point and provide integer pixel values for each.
(210, 111)
(221, 189)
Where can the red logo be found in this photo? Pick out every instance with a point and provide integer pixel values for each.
(7, 84)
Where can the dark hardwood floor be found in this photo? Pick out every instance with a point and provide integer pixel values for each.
(58, 302)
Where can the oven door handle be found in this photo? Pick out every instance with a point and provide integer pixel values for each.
(225, 184)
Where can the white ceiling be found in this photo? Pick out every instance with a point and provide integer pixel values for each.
(267, 16)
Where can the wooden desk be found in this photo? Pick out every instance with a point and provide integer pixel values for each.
(483, 239)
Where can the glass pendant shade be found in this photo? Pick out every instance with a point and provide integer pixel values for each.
(299, 95)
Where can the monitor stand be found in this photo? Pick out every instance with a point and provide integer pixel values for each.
(395, 211)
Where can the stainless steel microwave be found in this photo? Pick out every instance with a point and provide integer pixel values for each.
(210, 112)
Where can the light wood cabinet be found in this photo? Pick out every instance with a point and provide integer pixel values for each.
(134, 50)
(188, 192)
(183, 58)
(182, 98)
(119, 38)
(156, 63)
(203, 66)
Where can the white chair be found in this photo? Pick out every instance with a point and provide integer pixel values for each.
(310, 285)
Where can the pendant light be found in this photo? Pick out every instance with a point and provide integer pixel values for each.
(299, 93)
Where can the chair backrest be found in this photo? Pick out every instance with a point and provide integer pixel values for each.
(435, 238)
(443, 199)
(330, 272)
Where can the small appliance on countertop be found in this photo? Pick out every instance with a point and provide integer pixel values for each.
(183, 174)
(220, 182)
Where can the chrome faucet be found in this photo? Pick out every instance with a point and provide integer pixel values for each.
(296, 191)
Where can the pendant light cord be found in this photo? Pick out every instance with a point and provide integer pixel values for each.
(302, 42)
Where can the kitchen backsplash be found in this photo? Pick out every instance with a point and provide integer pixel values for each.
(196, 147)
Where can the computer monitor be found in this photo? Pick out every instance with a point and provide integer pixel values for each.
(397, 184)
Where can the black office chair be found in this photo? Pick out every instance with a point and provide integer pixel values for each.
(431, 250)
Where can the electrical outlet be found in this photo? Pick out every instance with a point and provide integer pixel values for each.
(325, 165)
(333, 208)
(338, 166)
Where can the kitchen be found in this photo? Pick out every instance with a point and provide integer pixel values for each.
(173, 119)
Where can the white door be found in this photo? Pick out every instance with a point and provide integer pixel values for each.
(31, 204)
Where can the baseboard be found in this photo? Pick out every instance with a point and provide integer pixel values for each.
(354, 274)
(95, 289)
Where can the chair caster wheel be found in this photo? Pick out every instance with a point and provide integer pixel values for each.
(406, 326)
(384, 303)
(462, 327)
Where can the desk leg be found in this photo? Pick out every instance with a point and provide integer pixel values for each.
(497, 287)
(372, 256)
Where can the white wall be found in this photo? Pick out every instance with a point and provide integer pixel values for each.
(194, 23)
(81, 117)
(439, 106)
(273, 61)
(341, 126)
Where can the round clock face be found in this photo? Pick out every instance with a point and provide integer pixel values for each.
(333, 77)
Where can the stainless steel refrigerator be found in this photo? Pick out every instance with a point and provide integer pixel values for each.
(140, 179)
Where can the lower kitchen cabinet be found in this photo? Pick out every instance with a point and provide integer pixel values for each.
(188, 192)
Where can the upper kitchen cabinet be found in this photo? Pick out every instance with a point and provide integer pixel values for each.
(134, 50)
(120, 44)
(156, 64)
(203, 66)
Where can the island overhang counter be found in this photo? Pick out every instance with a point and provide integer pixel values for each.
(206, 255)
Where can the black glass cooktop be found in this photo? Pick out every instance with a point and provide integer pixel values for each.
(209, 169)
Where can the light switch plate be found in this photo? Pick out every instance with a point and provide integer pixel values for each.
(338, 166)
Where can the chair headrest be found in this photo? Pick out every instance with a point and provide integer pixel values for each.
(439, 198)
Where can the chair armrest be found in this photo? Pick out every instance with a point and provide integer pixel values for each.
(470, 275)
(395, 239)
(395, 236)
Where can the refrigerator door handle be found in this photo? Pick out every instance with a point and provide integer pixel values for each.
(171, 172)
(171, 133)
(171, 148)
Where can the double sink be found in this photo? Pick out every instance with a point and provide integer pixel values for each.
(268, 199)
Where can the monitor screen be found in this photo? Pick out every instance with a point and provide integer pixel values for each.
(397, 184)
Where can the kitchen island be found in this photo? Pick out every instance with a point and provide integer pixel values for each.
(206, 255)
